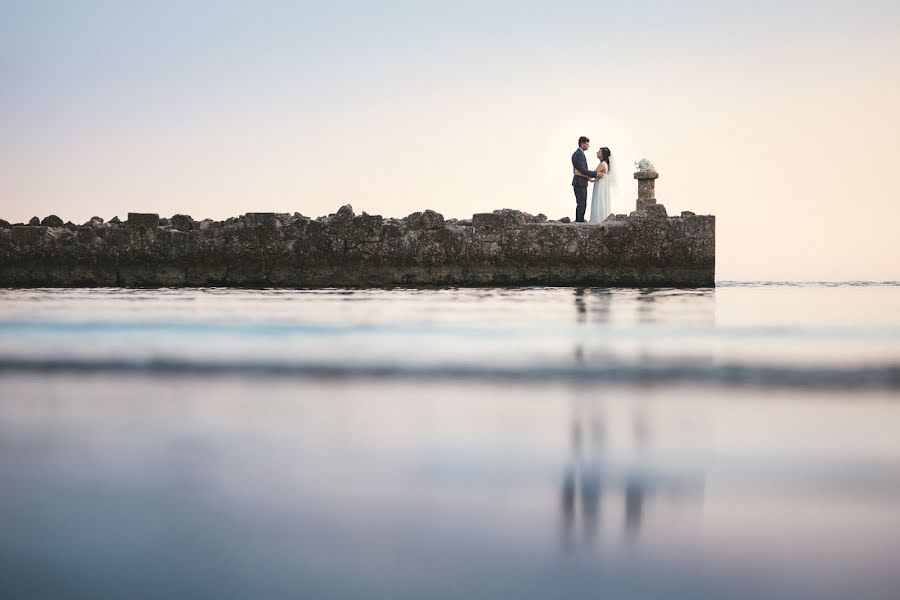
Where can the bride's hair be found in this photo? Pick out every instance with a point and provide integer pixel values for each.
(606, 155)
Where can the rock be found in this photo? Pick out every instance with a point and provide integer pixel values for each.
(34, 221)
(71, 226)
(425, 220)
(492, 220)
(86, 235)
(656, 211)
(164, 222)
(52, 221)
(96, 220)
(28, 234)
(344, 214)
(687, 213)
(503, 247)
(145, 220)
(115, 220)
(513, 219)
(181, 222)
(4, 224)
(260, 219)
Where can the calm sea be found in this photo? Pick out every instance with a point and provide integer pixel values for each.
(737, 442)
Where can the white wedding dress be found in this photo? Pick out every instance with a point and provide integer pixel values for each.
(600, 205)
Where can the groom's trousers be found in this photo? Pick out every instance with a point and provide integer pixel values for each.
(580, 202)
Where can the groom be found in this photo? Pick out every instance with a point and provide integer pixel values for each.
(580, 179)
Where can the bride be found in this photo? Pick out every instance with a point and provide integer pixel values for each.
(600, 200)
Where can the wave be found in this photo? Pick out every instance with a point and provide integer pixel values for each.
(863, 377)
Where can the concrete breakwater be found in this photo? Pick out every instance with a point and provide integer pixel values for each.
(504, 248)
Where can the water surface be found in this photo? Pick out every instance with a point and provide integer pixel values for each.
(738, 442)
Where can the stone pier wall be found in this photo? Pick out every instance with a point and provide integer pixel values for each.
(502, 248)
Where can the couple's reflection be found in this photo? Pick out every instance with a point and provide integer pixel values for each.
(593, 303)
(583, 479)
(599, 312)
(597, 477)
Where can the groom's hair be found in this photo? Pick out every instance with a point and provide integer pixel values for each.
(582, 140)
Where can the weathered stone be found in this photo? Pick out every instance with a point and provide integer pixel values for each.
(504, 247)
(27, 234)
(146, 220)
(492, 220)
(425, 220)
(646, 188)
(115, 220)
(86, 235)
(96, 220)
(260, 219)
(52, 221)
(181, 222)
(656, 211)
(4, 224)
(687, 213)
(34, 221)
(565, 220)
(513, 219)
(344, 214)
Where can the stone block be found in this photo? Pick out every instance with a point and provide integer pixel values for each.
(146, 220)
(425, 220)
(52, 221)
(656, 211)
(261, 219)
(86, 235)
(487, 220)
(181, 222)
(27, 234)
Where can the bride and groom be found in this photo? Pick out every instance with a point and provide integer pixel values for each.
(601, 176)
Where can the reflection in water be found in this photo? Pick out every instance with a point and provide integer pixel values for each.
(602, 314)
(583, 477)
(595, 470)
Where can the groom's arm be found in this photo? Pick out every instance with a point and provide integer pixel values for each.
(580, 164)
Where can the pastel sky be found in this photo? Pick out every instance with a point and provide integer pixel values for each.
(779, 117)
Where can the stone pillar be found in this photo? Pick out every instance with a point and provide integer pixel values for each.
(646, 188)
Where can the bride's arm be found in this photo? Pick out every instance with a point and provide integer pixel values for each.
(575, 172)
(601, 170)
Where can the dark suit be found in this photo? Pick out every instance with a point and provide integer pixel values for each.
(580, 182)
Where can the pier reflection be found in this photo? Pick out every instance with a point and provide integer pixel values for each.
(645, 306)
(613, 325)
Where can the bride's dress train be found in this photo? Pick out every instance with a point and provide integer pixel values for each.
(600, 205)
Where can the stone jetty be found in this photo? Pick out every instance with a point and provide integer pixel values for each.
(501, 248)
(647, 248)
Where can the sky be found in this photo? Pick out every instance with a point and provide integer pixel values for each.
(779, 117)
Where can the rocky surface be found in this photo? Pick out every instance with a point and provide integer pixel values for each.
(505, 248)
